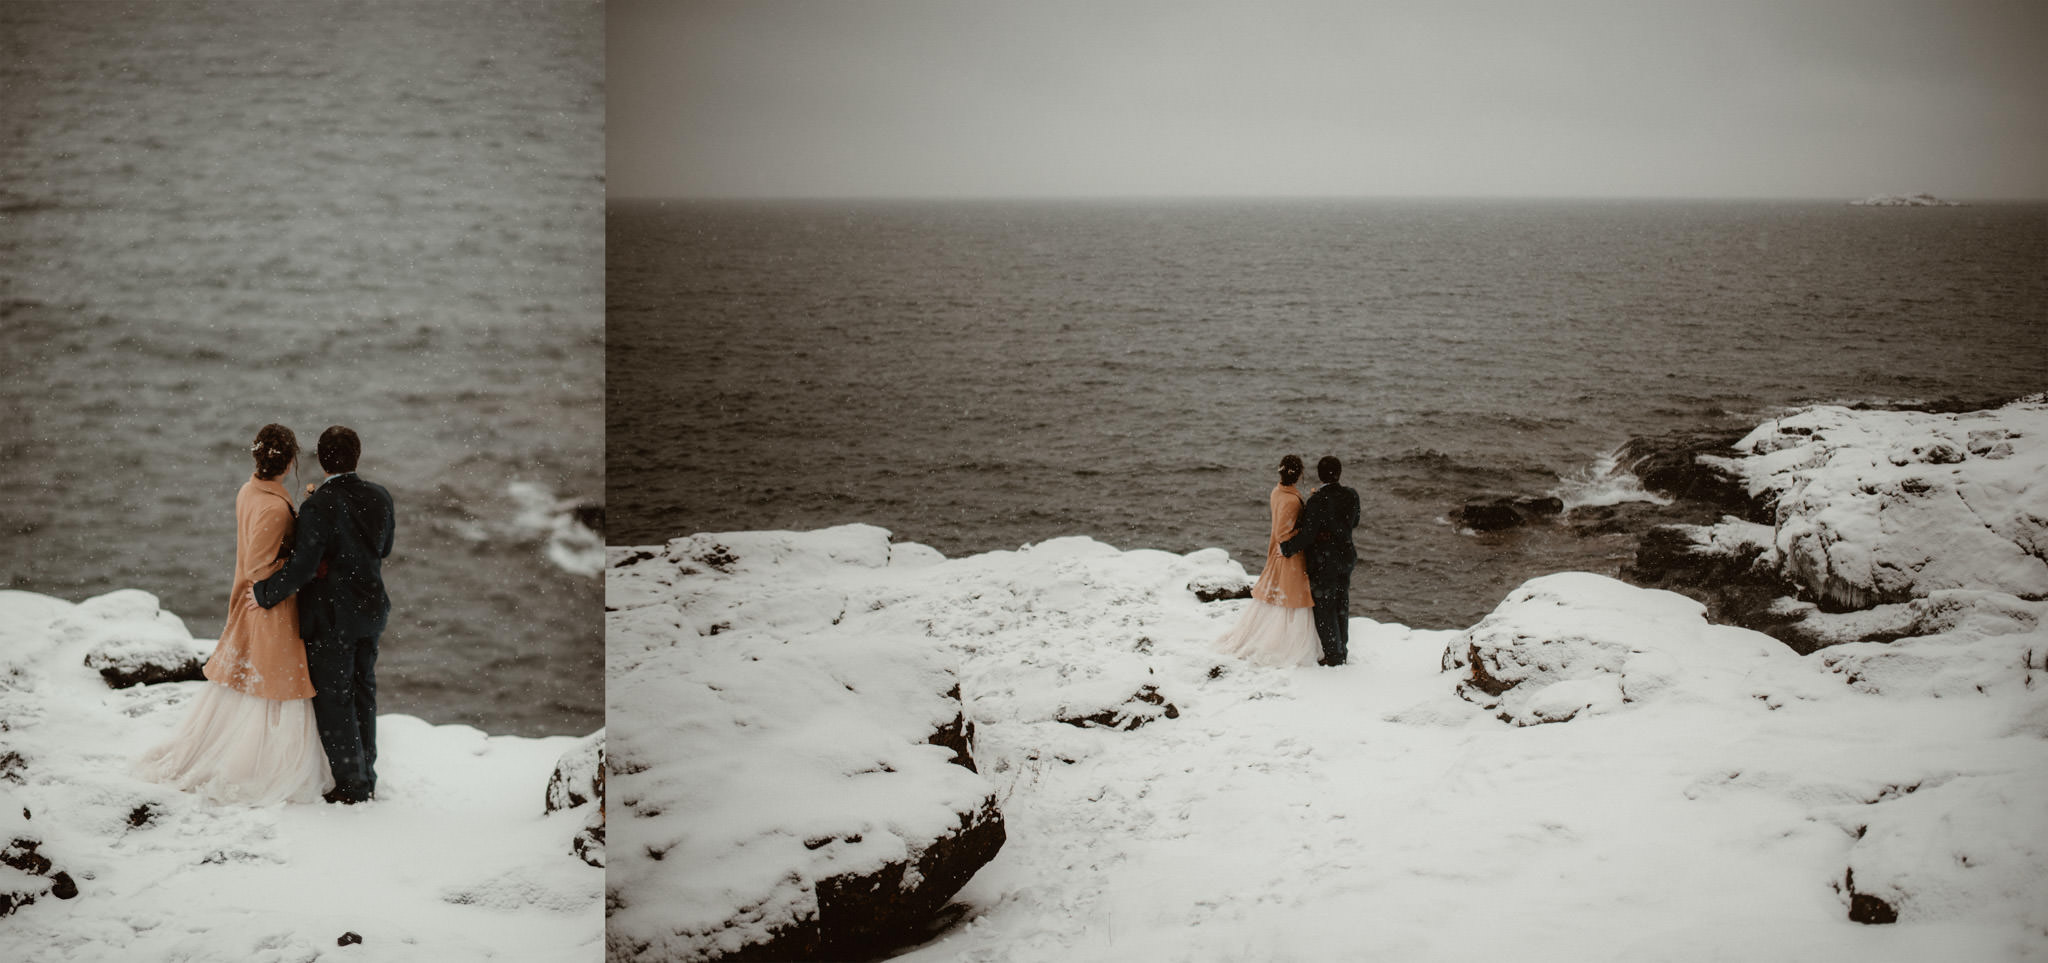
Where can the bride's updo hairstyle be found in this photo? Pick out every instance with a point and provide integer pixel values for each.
(1290, 469)
(275, 448)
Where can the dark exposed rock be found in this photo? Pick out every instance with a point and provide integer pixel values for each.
(957, 735)
(1948, 405)
(1495, 513)
(590, 515)
(633, 559)
(22, 854)
(1481, 679)
(1588, 521)
(1130, 715)
(1219, 589)
(867, 914)
(1865, 908)
(863, 915)
(348, 939)
(718, 557)
(124, 663)
(142, 815)
(1669, 465)
(11, 766)
(1489, 515)
(1739, 588)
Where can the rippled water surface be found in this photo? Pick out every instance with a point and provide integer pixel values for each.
(983, 375)
(390, 216)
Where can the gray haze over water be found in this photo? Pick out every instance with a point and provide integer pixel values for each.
(1591, 98)
(218, 215)
(980, 375)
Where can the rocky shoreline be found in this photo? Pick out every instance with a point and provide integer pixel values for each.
(996, 756)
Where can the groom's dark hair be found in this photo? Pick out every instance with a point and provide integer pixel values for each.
(1328, 469)
(338, 449)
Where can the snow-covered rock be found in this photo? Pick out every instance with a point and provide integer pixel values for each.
(1885, 506)
(453, 861)
(1574, 643)
(790, 789)
(1910, 547)
(579, 781)
(134, 642)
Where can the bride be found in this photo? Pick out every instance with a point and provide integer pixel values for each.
(251, 736)
(1279, 628)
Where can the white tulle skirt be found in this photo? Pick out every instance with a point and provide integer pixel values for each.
(236, 748)
(1273, 635)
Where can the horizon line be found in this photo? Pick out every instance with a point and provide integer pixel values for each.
(1070, 198)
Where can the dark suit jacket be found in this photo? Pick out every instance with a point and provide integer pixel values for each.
(348, 524)
(1324, 531)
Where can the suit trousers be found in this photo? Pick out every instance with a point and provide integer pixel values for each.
(345, 708)
(1333, 624)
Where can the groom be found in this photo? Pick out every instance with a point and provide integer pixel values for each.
(344, 533)
(1324, 531)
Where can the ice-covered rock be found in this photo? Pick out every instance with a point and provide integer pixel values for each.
(788, 791)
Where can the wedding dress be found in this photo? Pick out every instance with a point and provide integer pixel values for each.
(1279, 627)
(250, 736)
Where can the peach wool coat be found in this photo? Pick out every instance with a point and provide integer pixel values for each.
(260, 653)
(1285, 580)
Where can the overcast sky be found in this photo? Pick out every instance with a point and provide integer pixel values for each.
(887, 98)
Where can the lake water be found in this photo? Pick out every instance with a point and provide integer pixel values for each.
(390, 216)
(978, 376)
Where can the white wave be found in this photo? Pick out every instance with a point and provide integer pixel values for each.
(1604, 482)
(571, 546)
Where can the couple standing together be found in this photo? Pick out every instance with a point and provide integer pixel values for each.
(1309, 557)
(289, 711)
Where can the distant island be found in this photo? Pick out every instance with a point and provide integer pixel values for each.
(1904, 200)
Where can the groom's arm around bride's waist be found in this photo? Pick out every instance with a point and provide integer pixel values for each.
(309, 547)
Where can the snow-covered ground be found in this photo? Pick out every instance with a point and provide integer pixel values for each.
(1592, 772)
(456, 859)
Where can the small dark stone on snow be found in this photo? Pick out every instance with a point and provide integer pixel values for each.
(348, 939)
(1865, 908)
(62, 887)
(1220, 593)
